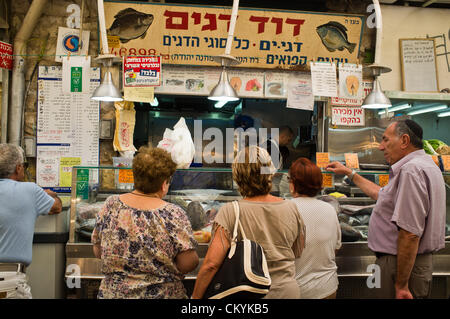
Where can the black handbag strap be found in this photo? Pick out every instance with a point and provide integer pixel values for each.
(235, 230)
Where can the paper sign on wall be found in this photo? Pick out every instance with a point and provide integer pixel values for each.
(323, 76)
(299, 93)
(65, 170)
(350, 80)
(69, 41)
(348, 116)
(76, 74)
(6, 56)
(141, 71)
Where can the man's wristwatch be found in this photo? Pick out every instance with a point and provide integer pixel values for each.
(351, 175)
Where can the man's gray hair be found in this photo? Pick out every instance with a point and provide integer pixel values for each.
(10, 156)
(412, 129)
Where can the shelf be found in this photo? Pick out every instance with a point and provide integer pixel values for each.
(418, 96)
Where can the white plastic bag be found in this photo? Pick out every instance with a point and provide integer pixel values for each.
(178, 142)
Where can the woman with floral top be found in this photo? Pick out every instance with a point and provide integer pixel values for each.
(146, 244)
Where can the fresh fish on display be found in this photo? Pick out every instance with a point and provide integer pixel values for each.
(196, 215)
(355, 210)
(130, 24)
(334, 37)
(349, 234)
(332, 201)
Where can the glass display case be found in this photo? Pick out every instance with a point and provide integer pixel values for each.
(202, 191)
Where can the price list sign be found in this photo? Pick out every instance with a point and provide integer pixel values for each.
(67, 125)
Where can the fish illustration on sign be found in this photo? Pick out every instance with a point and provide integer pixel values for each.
(334, 37)
(130, 24)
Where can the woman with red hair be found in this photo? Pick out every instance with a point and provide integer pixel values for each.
(316, 270)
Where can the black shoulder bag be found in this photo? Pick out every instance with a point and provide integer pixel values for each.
(244, 272)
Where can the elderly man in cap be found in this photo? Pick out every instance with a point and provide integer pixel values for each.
(408, 222)
(20, 204)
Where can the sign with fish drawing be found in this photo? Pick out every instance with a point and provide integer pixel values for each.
(193, 35)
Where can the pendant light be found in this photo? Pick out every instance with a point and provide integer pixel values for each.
(106, 91)
(223, 91)
(376, 99)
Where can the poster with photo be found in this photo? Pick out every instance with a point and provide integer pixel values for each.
(275, 84)
(350, 81)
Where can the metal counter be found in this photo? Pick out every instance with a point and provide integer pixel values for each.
(352, 261)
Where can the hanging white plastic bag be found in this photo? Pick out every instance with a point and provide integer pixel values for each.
(178, 142)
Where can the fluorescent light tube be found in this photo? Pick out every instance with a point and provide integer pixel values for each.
(428, 109)
(444, 114)
(396, 108)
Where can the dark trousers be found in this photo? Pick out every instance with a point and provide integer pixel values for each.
(419, 282)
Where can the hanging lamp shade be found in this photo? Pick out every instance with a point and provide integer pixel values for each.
(376, 99)
(223, 91)
(106, 91)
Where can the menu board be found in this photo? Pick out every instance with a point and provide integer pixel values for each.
(67, 126)
(418, 60)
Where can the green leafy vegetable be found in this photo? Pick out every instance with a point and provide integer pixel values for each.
(428, 148)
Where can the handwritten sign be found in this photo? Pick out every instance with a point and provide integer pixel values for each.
(348, 116)
(351, 160)
(446, 162)
(383, 180)
(323, 77)
(418, 61)
(322, 159)
(327, 180)
(193, 35)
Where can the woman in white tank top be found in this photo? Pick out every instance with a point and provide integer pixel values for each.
(316, 270)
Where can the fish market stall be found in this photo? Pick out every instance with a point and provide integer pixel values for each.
(92, 185)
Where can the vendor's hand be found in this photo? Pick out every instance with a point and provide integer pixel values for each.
(338, 168)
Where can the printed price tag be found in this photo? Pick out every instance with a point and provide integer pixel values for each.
(322, 159)
(446, 162)
(383, 180)
(351, 160)
(327, 181)
(126, 176)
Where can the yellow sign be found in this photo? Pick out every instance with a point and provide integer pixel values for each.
(193, 35)
(114, 41)
(65, 170)
(138, 94)
(351, 160)
(327, 181)
(322, 159)
(383, 180)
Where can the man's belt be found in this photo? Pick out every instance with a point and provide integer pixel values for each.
(16, 267)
